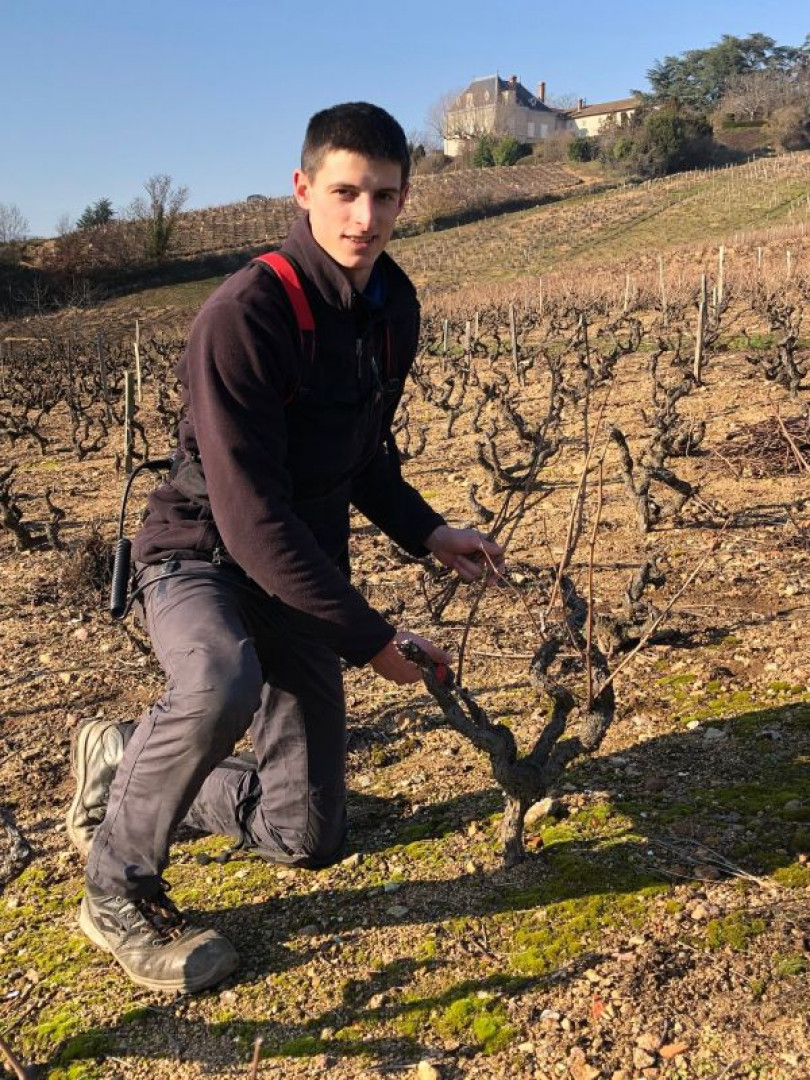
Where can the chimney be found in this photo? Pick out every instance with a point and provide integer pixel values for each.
(581, 104)
(513, 80)
(541, 92)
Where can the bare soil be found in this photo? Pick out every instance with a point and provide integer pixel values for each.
(659, 926)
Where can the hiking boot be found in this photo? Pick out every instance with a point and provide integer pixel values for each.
(95, 755)
(154, 944)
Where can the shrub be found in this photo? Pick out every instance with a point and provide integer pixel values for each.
(584, 148)
(507, 150)
(791, 127)
(658, 141)
(482, 154)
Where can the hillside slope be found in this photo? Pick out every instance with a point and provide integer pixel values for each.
(636, 220)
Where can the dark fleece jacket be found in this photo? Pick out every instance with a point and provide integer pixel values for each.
(286, 444)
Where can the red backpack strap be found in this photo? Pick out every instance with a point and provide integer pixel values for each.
(288, 276)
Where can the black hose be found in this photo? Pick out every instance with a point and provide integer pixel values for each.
(120, 578)
(119, 604)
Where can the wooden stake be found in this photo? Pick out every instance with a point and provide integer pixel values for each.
(137, 344)
(721, 262)
(445, 332)
(663, 289)
(513, 335)
(475, 327)
(129, 412)
(626, 304)
(701, 329)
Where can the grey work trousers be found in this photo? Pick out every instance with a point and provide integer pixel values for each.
(234, 660)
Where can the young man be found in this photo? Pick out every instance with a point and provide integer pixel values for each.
(243, 562)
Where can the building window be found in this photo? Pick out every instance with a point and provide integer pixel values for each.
(530, 129)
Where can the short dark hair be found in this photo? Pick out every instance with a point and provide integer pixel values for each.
(360, 128)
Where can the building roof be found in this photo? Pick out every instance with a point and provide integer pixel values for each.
(485, 92)
(604, 108)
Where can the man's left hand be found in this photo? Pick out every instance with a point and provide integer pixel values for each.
(466, 551)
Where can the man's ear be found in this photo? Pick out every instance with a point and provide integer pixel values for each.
(301, 188)
(403, 195)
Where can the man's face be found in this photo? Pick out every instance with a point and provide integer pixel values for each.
(353, 203)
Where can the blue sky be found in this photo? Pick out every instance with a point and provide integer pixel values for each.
(96, 97)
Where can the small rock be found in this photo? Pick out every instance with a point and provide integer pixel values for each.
(397, 910)
(699, 913)
(526, 1047)
(471, 867)
(550, 1016)
(426, 1071)
(650, 1042)
(792, 805)
(392, 886)
(310, 930)
(641, 1059)
(377, 1001)
(713, 734)
(579, 1067)
(327, 1033)
(620, 1074)
(593, 976)
(693, 724)
(81, 634)
(671, 1050)
(228, 997)
(354, 860)
(547, 807)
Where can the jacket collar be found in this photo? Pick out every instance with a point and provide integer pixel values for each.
(326, 275)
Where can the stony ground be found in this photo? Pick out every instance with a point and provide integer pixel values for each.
(658, 927)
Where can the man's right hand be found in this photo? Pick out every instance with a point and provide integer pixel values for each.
(392, 665)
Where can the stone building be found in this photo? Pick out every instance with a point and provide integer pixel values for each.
(493, 105)
(590, 119)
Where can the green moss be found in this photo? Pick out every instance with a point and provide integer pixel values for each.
(427, 949)
(757, 988)
(794, 876)
(76, 1070)
(133, 1016)
(679, 681)
(794, 964)
(59, 1026)
(299, 1047)
(734, 931)
(480, 1018)
(92, 1044)
(569, 926)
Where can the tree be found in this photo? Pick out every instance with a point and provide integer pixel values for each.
(507, 150)
(158, 213)
(658, 141)
(699, 77)
(583, 148)
(13, 225)
(98, 213)
(437, 117)
(482, 154)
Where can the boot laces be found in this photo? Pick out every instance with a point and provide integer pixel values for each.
(162, 916)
